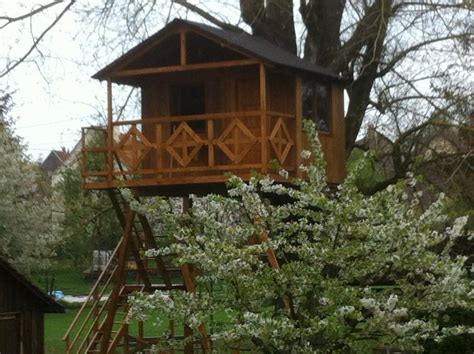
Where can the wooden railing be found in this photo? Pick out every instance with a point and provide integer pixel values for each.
(92, 312)
(187, 149)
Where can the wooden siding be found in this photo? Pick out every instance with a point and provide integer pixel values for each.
(29, 326)
(333, 142)
(242, 126)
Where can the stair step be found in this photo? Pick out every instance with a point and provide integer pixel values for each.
(130, 288)
(164, 287)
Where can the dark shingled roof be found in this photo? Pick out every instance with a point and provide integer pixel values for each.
(50, 305)
(254, 46)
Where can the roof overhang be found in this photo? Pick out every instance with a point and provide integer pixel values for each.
(250, 46)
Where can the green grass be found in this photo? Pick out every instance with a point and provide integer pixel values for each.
(55, 326)
(68, 279)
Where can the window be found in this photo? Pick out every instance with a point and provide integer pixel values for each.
(189, 100)
(316, 101)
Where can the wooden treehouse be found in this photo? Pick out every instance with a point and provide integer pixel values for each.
(212, 101)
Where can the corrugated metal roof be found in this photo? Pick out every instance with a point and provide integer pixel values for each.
(254, 46)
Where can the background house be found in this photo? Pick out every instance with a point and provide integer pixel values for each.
(53, 162)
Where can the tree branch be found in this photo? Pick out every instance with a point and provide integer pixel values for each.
(389, 66)
(37, 41)
(207, 16)
(42, 8)
(365, 30)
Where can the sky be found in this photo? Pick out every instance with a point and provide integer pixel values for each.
(53, 95)
(53, 92)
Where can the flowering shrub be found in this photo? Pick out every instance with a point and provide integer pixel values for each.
(27, 238)
(356, 273)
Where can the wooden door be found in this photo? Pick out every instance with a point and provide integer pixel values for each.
(10, 333)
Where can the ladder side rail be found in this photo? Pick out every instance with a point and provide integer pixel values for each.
(151, 243)
(115, 296)
(98, 314)
(67, 336)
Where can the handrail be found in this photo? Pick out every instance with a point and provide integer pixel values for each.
(167, 119)
(89, 297)
(97, 301)
(155, 154)
(96, 320)
(121, 332)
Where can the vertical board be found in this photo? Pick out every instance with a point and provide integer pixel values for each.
(10, 333)
(333, 143)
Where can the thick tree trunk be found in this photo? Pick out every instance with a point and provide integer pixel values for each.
(322, 19)
(272, 20)
(372, 35)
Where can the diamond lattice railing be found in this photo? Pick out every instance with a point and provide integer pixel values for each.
(236, 141)
(133, 147)
(184, 144)
(281, 141)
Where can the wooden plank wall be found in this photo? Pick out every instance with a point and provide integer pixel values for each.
(333, 143)
(14, 298)
(226, 90)
(234, 90)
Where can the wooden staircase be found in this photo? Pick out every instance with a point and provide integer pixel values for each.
(100, 326)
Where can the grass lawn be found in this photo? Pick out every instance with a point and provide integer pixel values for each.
(55, 326)
(68, 279)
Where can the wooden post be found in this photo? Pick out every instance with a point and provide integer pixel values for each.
(188, 275)
(96, 309)
(210, 139)
(299, 123)
(182, 41)
(263, 117)
(110, 133)
(159, 145)
(84, 168)
(189, 284)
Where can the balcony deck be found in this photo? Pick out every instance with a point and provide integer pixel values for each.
(167, 153)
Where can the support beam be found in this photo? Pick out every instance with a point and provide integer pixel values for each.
(135, 247)
(188, 276)
(151, 244)
(299, 123)
(263, 118)
(141, 269)
(114, 299)
(183, 49)
(110, 133)
(187, 67)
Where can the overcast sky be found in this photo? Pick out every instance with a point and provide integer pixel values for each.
(53, 93)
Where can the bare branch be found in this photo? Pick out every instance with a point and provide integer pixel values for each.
(399, 56)
(204, 14)
(367, 28)
(40, 9)
(37, 40)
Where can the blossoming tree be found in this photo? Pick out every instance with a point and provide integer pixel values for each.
(355, 273)
(27, 238)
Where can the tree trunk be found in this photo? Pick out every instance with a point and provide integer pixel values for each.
(272, 20)
(322, 19)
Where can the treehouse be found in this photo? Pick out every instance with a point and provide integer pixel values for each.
(213, 101)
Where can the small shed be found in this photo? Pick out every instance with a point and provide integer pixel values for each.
(22, 309)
